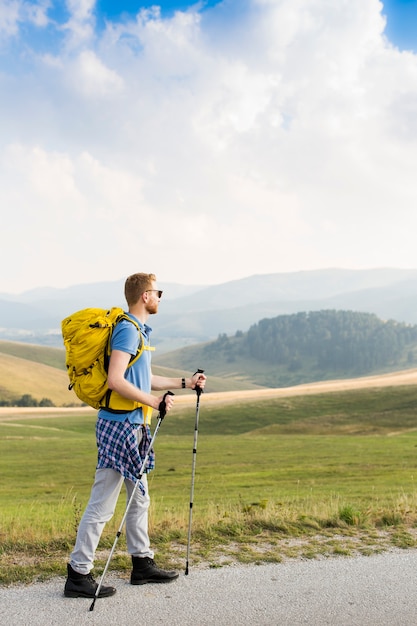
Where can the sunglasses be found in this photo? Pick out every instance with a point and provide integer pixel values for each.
(158, 291)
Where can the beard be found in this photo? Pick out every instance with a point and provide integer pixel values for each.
(152, 307)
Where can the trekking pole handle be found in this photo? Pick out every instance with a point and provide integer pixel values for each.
(198, 390)
(163, 405)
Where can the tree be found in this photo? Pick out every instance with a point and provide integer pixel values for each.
(26, 400)
(46, 402)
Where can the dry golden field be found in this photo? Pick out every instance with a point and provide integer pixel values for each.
(405, 377)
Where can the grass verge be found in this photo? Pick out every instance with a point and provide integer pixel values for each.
(329, 475)
(254, 534)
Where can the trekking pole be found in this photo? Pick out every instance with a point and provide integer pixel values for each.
(162, 413)
(198, 391)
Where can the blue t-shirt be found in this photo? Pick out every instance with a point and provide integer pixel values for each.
(125, 338)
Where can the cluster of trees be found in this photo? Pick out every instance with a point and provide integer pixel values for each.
(27, 400)
(336, 341)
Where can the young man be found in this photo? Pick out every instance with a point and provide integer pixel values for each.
(123, 437)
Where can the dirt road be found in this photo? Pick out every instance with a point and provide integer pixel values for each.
(404, 377)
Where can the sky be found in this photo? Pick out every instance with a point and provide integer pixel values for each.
(205, 142)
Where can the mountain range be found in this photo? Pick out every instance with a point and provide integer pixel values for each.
(191, 314)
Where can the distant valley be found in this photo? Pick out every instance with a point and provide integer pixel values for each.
(196, 313)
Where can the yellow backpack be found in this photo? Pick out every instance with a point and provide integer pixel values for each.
(87, 334)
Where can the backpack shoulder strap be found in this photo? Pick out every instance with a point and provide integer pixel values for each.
(141, 346)
(112, 394)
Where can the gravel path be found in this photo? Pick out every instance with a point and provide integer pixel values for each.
(373, 591)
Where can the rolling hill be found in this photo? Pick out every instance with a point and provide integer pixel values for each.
(304, 347)
(39, 371)
(278, 352)
(20, 377)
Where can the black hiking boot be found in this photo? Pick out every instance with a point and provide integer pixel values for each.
(145, 571)
(84, 586)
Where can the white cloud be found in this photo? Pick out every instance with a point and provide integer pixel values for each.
(36, 12)
(80, 25)
(93, 78)
(260, 136)
(9, 17)
(14, 13)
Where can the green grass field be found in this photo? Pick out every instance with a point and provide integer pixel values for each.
(324, 474)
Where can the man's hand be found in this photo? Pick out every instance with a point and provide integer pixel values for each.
(198, 380)
(168, 398)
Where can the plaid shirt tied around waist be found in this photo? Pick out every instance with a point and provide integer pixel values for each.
(118, 448)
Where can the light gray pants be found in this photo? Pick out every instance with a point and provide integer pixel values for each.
(100, 509)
